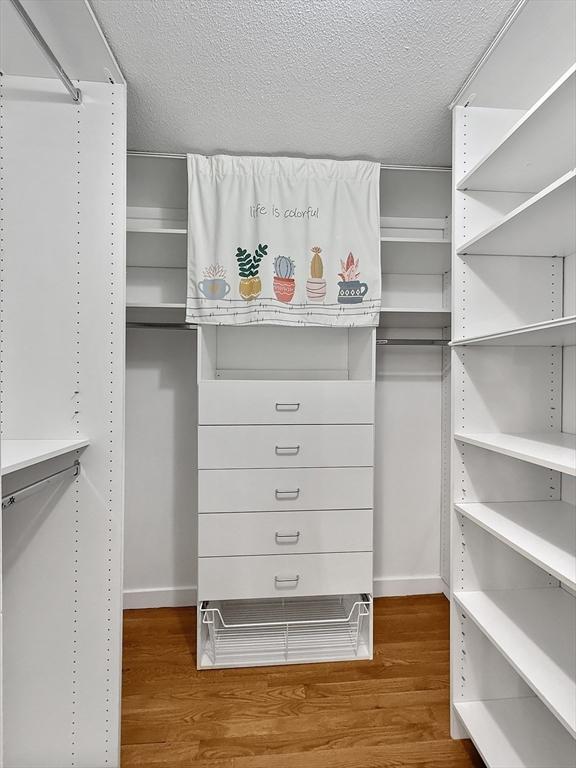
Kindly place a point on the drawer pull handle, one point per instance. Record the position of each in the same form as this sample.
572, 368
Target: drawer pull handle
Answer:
281, 538
287, 406
287, 450
287, 579
287, 495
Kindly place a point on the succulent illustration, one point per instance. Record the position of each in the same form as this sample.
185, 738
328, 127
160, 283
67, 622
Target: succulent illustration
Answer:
214, 272
248, 264
284, 267
349, 269
316, 266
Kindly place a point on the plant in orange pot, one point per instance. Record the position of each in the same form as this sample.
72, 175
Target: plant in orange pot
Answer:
284, 284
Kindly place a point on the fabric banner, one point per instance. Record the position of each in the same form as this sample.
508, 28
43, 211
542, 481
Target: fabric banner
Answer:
283, 241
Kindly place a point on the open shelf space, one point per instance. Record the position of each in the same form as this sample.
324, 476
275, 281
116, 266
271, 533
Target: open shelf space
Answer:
415, 257
554, 450
517, 733
542, 531
545, 135
290, 630
20, 454
535, 630
561, 332
544, 225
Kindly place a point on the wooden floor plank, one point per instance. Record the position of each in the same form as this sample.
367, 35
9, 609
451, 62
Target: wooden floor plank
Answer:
391, 712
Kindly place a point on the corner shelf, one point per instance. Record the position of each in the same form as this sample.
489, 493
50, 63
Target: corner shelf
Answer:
554, 450
561, 332
535, 630
20, 454
542, 531
516, 733
544, 225
545, 134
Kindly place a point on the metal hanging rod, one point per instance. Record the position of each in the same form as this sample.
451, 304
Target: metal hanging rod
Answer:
12, 498
76, 93
169, 326
412, 342
383, 166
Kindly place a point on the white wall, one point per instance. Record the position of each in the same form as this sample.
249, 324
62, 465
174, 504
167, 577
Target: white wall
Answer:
161, 423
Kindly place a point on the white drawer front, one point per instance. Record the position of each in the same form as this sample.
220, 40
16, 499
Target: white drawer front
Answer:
285, 402
270, 446
267, 490
285, 533
229, 578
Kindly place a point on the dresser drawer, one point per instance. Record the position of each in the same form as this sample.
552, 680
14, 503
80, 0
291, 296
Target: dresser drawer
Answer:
285, 533
230, 578
285, 402
294, 445
268, 490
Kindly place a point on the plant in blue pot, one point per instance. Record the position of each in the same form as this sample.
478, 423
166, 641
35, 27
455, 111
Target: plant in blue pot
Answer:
351, 290
214, 285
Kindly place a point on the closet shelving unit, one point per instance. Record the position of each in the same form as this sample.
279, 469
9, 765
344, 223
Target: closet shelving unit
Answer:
513, 635
62, 275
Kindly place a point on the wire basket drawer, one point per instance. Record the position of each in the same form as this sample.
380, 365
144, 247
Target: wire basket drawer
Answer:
237, 633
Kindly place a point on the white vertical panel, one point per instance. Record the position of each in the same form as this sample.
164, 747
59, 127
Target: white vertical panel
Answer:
62, 375
408, 463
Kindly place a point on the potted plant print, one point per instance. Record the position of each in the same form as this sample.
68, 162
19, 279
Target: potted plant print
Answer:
214, 285
352, 291
248, 266
316, 285
284, 283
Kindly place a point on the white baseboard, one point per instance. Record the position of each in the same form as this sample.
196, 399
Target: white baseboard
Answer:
171, 597
183, 596
420, 585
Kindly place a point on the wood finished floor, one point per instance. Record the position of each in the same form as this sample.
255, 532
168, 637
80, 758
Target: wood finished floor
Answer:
388, 713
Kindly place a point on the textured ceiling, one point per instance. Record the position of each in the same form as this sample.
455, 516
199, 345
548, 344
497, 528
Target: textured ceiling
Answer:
329, 78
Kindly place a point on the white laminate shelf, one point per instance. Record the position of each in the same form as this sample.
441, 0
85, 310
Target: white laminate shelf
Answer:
167, 228
554, 450
20, 454
535, 630
155, 305
161, 221
420, 240
414, 317
517, 733
538, 148
560, 332
544, 225
542, 531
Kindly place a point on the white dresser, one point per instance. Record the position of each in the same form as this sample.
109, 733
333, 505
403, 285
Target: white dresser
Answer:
285, 494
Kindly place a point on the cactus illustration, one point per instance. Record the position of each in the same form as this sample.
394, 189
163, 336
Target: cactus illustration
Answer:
316, 285
283, 282
248, 266
316, 266
284, 267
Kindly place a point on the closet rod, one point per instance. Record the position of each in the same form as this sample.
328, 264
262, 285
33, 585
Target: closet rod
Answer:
179, 156
379, 342
412, 342
76, 93
12, 498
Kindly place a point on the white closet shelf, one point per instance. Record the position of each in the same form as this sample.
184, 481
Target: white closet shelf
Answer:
422, 240
544, 134
561, 332
156, 220
544, 225
155, 305
517, 733
535, 630
414, 317
554, 450
20, 454
542, 531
